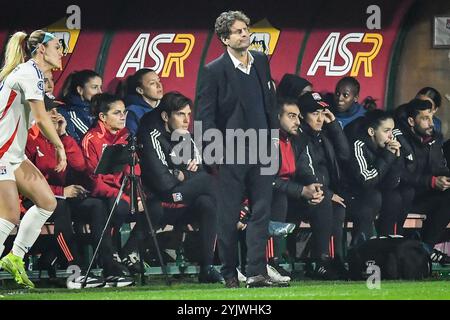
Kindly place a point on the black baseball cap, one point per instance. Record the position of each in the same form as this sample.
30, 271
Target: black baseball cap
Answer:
311, 102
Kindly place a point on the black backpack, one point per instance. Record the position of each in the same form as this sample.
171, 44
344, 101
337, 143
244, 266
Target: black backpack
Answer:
397, 258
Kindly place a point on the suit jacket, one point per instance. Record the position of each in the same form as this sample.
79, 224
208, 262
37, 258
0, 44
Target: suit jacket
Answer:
219, 94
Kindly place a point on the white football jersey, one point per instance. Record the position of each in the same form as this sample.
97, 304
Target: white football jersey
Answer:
25, 82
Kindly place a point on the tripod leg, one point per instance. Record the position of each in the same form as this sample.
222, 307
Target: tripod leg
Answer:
153, 234
139, 223
122, 187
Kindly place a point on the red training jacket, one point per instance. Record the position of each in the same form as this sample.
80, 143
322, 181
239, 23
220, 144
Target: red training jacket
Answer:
93, 143
42, 153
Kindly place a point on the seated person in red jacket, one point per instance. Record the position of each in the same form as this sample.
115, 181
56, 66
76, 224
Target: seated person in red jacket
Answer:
109, 129
73, 202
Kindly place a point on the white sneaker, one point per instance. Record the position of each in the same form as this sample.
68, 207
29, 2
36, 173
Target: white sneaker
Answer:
275, 275
91, 282
241, 277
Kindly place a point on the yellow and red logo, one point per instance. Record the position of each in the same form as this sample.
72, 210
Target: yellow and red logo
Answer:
326, 56
164, 63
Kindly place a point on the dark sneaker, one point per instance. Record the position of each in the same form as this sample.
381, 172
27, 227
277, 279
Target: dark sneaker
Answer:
209, 274
439, 257
114, 268
273, 262
91, 282
118, 281
322, 270
340, 269
264, 281
117, 275
232, 283
133, 262
47, 263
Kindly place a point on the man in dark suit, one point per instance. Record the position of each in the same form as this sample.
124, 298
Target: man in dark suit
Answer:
236, 92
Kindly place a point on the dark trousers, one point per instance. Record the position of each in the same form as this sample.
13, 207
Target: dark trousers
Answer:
234, 182
64, 233
198, 204
396, 204
362, 209
326, 220
89, 210
94, 211
436, 206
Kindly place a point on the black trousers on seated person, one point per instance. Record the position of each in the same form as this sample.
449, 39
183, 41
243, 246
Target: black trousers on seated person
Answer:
88, 210
94, 211
362, 209
326, 220
192, 200
64, 235
396, 204
436, 205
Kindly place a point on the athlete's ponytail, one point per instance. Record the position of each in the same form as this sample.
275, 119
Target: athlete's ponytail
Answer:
19, 49
14, 54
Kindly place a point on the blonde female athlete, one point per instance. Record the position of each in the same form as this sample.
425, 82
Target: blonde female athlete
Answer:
27, 57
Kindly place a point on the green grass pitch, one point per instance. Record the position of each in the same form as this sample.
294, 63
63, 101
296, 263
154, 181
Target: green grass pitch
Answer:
299, 290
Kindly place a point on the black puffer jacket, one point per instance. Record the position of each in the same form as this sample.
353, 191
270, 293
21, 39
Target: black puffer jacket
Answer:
427, 158
326, 151
429, 161
158, 157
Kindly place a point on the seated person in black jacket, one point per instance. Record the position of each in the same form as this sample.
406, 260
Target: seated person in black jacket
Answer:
428, 174
319, 166
176, 179
373, 177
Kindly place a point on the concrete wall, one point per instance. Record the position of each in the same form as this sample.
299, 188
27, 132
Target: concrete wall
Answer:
422, 65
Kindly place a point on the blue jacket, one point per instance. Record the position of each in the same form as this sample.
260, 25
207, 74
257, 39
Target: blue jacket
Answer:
136, 108
437, 124
78, 116
354, 112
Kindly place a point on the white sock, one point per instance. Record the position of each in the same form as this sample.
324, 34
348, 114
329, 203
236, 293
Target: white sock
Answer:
5, 229
29, 230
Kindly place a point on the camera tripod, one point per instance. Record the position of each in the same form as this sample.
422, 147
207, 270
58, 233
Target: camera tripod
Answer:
135, 192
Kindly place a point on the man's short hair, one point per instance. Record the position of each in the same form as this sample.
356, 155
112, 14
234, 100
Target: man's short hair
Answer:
224, 22
414, 107
173, 101
281, 102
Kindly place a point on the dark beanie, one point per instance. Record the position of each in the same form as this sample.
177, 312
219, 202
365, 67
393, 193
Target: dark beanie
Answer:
291, 86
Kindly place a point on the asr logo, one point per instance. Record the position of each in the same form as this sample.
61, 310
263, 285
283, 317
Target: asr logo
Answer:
326, 56
264, 37
135, 58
